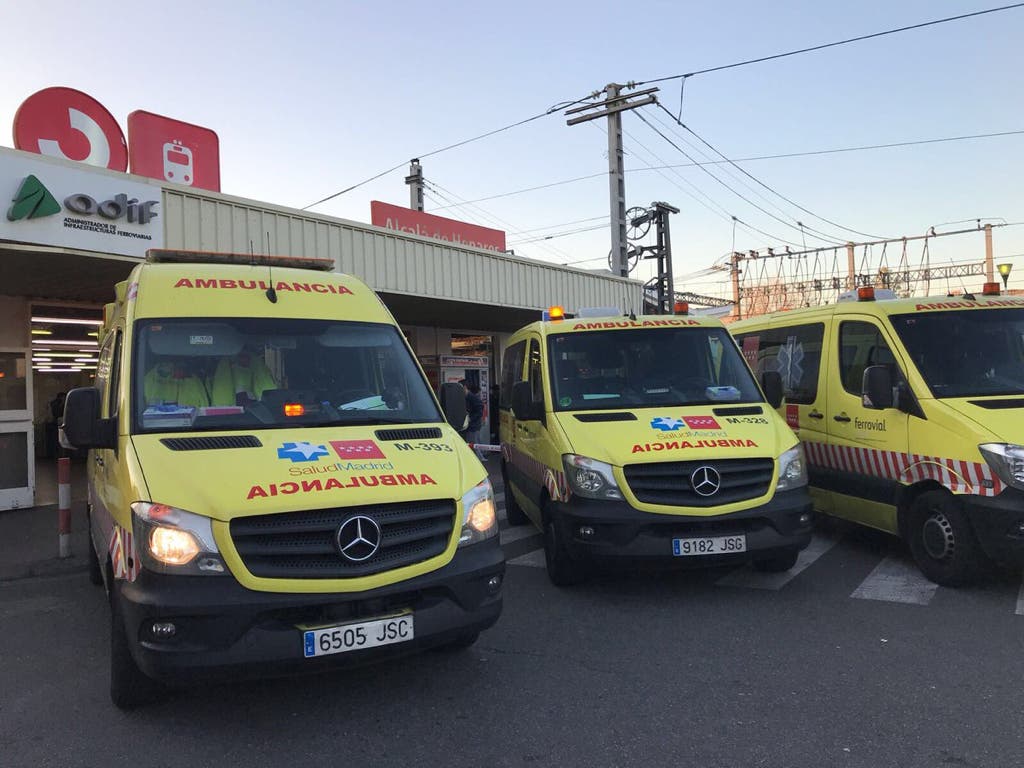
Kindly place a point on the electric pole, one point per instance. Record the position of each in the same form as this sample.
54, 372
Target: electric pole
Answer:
415, 182
612, 107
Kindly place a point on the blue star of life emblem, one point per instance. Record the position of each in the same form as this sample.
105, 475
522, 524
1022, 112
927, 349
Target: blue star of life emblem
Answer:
301, 452
667, 423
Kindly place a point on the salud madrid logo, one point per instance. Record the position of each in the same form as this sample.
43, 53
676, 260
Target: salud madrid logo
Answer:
35, 201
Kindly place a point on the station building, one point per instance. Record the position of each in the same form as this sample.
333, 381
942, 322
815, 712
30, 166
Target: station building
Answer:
70, 231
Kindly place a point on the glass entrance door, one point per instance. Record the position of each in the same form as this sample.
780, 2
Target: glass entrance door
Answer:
17, 452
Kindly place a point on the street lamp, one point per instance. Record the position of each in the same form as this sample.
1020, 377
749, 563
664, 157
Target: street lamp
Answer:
1004, 272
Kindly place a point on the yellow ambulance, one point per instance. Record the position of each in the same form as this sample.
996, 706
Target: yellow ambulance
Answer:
273, 486
910, 412
647, 440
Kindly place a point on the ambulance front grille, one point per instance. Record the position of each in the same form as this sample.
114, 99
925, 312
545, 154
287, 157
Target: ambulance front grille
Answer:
304, 545
669, 482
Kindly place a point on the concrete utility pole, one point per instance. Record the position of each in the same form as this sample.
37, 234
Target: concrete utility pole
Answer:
612, 107
415, 182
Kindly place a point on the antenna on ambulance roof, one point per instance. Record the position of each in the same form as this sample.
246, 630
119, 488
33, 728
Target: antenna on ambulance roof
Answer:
271, 293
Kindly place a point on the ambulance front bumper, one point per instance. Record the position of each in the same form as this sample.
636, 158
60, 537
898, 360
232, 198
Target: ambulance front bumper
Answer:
225, 631
615, 531
998, 522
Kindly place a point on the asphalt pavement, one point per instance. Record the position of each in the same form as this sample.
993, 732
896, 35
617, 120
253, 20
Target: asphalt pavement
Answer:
849, 662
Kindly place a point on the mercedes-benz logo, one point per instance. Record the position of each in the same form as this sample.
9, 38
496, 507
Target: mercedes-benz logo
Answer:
359, 538
705, 481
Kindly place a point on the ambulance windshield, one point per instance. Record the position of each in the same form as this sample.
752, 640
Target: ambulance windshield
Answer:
966, 353
196, 374
648, 367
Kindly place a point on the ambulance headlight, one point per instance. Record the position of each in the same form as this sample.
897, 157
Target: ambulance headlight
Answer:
171, 540
1006, 460
590, 478
792, 469
480, 518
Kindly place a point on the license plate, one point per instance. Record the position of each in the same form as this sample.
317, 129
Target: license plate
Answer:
711, 545
355, 637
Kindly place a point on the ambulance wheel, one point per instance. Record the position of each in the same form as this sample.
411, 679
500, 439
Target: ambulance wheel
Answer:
563, 570
129, 687
778, 564
942, 541
513, 512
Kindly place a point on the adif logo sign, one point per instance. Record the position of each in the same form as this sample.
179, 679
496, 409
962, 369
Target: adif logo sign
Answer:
34, 201
100, 212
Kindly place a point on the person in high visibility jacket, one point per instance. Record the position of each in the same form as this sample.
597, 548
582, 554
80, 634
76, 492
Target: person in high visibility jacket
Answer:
240, 379
168, 383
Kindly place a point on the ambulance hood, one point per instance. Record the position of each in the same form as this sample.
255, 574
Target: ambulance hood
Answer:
677, 433
1003, 417
215, 475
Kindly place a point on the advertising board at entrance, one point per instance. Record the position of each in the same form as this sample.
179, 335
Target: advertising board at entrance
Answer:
428, 225
47, 203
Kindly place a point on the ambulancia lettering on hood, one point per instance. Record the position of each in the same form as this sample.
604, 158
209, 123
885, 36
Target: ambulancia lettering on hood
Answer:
700, 431
309, 458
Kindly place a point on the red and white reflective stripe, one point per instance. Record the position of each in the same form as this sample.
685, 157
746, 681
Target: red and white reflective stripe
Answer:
958, 475
64, 507
122, 555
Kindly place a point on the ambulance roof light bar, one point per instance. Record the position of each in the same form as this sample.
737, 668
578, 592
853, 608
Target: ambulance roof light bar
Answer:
168, 256
990, 289
553, 313
868, 293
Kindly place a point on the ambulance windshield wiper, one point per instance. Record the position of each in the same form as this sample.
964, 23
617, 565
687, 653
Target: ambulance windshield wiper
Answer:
366, 420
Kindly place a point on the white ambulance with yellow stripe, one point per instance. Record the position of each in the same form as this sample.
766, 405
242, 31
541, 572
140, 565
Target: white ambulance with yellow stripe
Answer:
647, 440
272, 484
911, 413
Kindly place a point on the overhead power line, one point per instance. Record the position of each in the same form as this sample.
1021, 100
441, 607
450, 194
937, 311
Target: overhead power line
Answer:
550, 111
743, 197
758, 181
833, 44
754, 190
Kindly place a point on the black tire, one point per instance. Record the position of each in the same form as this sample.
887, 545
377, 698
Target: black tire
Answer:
513, 512
563, 570
129, 687
777, 564
942, 541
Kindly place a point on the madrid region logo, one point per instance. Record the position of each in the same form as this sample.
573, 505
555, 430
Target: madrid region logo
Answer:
33, 201
301, 452
667, 423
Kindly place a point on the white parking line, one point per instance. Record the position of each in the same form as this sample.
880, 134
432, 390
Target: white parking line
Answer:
533, 559
748, 577
1020, 599
508, 535
896, 581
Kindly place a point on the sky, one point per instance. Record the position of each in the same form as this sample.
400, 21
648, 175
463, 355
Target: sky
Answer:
309, 98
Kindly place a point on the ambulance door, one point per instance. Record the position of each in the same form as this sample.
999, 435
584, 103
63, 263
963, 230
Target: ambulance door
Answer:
795, 352
104, 495
512, 372
532, 439
861, 469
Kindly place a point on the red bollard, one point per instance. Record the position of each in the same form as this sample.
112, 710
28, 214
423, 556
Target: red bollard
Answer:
64, 506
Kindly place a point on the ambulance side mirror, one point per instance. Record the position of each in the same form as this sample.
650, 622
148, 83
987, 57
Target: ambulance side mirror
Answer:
771, 383
82, 427
453, 404
876, 389
522, 402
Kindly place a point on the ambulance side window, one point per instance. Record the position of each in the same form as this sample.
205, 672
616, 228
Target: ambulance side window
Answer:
861, 344
511, 372
794, 352
536, 373
115, 376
